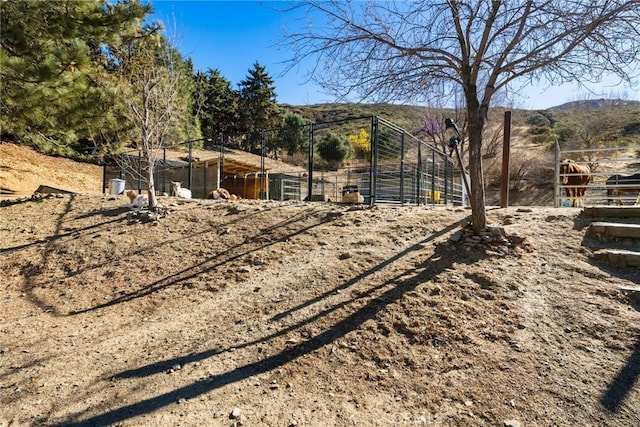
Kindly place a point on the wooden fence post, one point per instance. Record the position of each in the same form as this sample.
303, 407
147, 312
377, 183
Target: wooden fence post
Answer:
506, 149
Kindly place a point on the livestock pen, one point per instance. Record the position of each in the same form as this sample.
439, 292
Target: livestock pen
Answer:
384, 164
604, 163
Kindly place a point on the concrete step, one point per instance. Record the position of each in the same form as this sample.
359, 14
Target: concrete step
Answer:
613, 229
613, 211
619, 257
634, 294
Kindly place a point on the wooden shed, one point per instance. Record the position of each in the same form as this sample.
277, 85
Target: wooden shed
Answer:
245, 180
240, 178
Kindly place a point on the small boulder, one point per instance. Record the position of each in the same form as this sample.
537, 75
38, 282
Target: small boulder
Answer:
235, 413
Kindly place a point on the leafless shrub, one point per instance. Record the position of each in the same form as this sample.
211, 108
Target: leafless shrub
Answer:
525, 167
493, 139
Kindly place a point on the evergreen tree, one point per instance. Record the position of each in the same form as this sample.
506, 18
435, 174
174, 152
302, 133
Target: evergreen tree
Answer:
217, 104
258, 108
54, 87
334, 149
293, 135
189, 123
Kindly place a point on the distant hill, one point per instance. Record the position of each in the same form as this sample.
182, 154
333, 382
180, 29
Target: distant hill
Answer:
596, 104
411, 117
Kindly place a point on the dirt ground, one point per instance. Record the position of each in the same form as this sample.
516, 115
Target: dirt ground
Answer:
252, 313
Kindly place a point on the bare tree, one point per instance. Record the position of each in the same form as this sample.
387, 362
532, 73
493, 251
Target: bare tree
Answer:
152, 87
398, 51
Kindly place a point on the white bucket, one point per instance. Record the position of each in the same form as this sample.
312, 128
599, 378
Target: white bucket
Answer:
116, 186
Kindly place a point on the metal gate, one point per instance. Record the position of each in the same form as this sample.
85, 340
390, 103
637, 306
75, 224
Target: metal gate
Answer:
407, 170
393, 168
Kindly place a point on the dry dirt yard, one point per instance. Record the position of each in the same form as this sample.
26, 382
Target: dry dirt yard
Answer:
253, 313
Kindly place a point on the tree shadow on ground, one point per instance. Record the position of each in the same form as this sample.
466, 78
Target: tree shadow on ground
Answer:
31, 270
59, 234
258, 242
117, 211
622, 384
374, 301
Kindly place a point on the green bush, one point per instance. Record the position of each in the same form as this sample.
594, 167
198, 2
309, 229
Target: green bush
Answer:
539, 130
540, 138
538, 120
334, 150
632, 128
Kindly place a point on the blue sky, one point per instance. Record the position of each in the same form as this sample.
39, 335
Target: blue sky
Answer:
232, 35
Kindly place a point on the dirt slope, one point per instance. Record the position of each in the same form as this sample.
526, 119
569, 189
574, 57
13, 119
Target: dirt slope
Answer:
22, 171
282, 314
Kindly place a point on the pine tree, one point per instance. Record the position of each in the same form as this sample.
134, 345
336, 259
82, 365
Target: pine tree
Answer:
258, 107
293, 134
216, 104
55, 88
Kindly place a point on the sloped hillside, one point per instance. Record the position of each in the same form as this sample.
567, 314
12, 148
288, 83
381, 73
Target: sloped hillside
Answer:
22, 171
309, 314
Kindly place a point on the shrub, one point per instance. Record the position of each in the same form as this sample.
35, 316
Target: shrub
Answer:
334, 150
524, 167
538, 120
632, 128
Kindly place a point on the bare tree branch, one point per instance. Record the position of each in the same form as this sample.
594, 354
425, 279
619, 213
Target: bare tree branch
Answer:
406, 51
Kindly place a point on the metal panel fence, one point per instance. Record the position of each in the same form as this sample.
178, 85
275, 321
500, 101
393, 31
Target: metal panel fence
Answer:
357, 160
132, 169
605, 163
407, 170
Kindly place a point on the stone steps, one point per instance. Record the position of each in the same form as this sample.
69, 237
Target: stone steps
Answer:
614, 229
613, 211
628, 230
619, 257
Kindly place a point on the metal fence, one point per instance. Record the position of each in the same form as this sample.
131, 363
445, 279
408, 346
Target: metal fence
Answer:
408, 170
356, 160
604, 163
132, 169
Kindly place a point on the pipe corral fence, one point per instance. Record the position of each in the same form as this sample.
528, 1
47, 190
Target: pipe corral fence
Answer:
387, 165
604, 163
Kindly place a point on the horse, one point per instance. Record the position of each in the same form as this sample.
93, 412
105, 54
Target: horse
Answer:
575, 177
623, 184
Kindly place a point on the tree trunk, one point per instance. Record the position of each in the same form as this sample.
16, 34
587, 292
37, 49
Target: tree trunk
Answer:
475, 125
151, 163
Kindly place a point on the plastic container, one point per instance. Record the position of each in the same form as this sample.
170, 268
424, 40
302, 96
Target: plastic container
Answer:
116, 186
